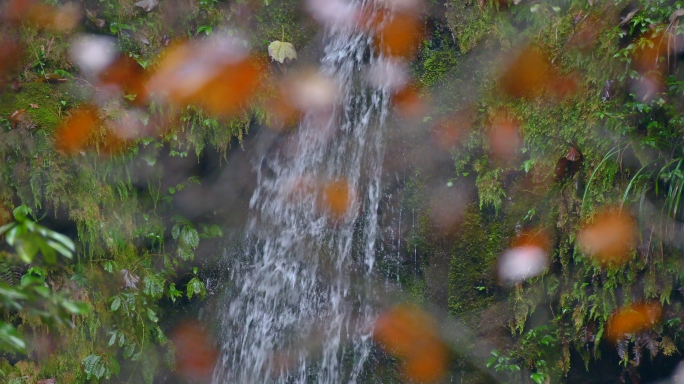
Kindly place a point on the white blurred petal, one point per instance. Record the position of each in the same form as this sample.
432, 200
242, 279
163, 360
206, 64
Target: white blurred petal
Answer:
521, 263
93, 53
391, 74
338, 12
313, 92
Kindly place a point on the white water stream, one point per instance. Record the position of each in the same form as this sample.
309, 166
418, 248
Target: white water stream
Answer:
301, 310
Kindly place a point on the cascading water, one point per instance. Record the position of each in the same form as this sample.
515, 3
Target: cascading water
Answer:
302, 307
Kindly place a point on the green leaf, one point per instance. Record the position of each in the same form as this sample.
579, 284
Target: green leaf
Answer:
152, 315
174, 293
538, 377
21, 212
281, 51
112, 339
128, 351
189, 237
76, 307
196, 287
10, 339
175, 231
154, 286
109, 266
116, 303
94, 366
6, 227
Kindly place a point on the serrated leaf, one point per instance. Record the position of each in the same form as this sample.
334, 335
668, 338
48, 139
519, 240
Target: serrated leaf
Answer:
112, 340
189, 237
128, 351
196, 287
151, 315
116, 303
281, 51
94, 367
154, 286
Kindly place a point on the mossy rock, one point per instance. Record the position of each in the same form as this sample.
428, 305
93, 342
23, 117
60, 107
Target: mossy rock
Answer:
52, 101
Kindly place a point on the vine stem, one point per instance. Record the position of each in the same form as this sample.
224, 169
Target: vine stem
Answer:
283, 38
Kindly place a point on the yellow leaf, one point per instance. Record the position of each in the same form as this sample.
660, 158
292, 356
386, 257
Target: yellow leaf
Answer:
279, 51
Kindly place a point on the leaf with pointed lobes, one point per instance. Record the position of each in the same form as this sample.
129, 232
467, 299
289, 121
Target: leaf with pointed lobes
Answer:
216, 74
281, 51
609, 237
72, 136
633, 319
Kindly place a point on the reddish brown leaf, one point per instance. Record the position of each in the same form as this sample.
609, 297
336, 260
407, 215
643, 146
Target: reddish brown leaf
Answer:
503, 136
410, 334
73, 135
408, 102
221, 82
528, 74
17, 116
195, 354
633, 319
396, 33
127, 74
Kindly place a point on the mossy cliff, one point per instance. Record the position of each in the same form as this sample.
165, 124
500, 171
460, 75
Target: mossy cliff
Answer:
128, 208
554, 325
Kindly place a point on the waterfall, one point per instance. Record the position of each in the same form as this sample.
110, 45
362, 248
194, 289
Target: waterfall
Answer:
301, 309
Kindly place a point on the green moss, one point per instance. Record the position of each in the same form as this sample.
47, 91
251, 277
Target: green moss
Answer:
480, 241
51, 99
470, 22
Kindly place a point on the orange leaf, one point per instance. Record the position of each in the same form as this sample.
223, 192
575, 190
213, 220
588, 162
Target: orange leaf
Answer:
396, 33
337, 198
230, 90
217, 75
17, 116
127, 74
503, 135
610, 237
428, 365
73, 135
528, 74
409, 333
633, 319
